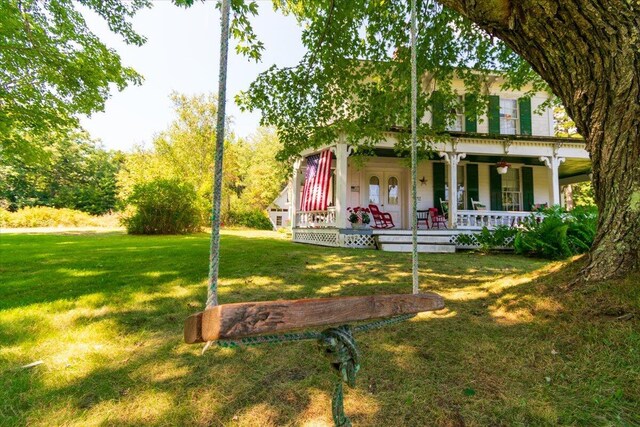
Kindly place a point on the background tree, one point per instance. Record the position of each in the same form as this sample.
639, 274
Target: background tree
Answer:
186, 151
355, 79
52, 67
71, 171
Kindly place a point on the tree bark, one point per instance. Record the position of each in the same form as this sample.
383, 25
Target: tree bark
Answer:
588, 51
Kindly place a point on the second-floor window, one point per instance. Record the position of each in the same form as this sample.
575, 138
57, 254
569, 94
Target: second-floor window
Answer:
508, 116
458, 113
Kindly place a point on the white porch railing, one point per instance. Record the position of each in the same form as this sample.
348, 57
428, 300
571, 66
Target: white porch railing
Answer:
475, 220
316, 219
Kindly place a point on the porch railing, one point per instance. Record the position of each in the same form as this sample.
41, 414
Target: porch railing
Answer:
316, 219
475, 220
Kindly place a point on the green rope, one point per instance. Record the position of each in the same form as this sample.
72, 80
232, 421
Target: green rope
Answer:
414, 153
214, 250
339, 346
307, 335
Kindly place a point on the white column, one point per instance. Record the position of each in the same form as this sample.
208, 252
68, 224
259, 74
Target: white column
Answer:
453, 159
553, 163
342, 154
294, 184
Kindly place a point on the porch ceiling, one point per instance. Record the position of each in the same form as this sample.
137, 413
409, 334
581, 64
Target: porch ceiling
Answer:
571, 167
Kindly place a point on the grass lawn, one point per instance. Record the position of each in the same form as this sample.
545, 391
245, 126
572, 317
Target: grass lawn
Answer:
104, 313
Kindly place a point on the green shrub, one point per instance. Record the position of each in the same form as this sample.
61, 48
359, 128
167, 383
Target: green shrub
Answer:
42, 216
499, 238
163, 206
250, 218
559, 235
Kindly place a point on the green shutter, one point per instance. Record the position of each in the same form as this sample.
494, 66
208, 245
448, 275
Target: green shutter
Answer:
437, 110
494, 114
495, 188
473, 192
438, 184
470, 122
527, 188
524, 105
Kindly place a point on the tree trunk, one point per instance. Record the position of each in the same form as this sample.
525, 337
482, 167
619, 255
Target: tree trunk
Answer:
588, 51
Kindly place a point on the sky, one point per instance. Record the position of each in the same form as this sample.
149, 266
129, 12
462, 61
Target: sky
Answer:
182, 54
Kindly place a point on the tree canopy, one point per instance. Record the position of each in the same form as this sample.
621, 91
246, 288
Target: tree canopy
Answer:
52, 67
355, 76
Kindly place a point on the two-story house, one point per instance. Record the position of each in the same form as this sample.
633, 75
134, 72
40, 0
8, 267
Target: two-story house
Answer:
487, 192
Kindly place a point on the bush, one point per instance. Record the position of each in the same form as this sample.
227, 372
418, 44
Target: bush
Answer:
559, 235
251, 218
42, 216
499, 238
163, 206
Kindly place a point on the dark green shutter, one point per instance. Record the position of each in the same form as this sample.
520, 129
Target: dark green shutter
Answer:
495, 188
437, 110
438, 184
470, 122
527, 188
524, 105
494, 114
473, 192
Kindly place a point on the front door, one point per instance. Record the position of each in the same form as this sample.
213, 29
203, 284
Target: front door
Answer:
385, 190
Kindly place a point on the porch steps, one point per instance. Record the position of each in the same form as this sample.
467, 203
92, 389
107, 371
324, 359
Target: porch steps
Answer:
429, 241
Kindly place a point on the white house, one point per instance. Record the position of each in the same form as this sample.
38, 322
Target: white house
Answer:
278, 210
512, 131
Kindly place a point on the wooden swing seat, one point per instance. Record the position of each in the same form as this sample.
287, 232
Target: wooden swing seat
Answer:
245, 319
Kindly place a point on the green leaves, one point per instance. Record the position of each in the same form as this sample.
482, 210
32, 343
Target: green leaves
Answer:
52, 67
355, 78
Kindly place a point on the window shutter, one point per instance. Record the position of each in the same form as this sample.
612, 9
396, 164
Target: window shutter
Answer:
524, 105
473, 192
527, 188
494, 114
470, 122
495, 188
438, 184
437, 110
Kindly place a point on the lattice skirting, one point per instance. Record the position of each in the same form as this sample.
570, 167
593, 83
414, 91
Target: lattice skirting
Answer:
317, 237
469, 241
358, 240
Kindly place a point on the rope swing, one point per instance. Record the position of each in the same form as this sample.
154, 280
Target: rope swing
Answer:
265, 322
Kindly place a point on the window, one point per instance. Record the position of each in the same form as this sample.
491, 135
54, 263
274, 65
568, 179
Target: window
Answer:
508, 116
511, 194
462, 188
458, 112
393, 191
278, 221
374, 190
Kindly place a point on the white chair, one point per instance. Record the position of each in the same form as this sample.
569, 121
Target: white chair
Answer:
477, 206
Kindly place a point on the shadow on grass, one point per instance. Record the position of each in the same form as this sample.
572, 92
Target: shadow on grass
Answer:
485, 360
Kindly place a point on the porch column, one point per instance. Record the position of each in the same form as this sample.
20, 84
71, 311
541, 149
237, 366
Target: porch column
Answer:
342, 154
294, 185
453, 159
553, 163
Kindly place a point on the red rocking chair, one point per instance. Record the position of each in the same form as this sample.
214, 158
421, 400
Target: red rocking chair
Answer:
381, 219
436, 218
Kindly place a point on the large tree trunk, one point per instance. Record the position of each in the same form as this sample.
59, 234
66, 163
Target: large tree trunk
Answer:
588, 51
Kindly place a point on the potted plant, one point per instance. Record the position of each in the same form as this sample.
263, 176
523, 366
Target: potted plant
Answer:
502, 167
359, 217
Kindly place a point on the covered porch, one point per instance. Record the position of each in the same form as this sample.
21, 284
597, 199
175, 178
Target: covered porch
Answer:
483, 196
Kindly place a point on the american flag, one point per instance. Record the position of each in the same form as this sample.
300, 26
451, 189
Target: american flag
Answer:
316, 182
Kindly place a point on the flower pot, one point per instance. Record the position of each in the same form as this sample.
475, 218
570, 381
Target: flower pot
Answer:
357, 226
502, 169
